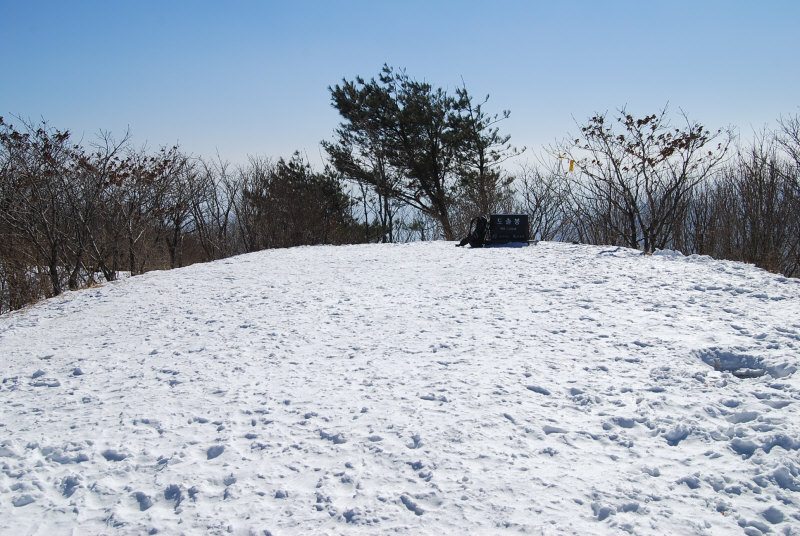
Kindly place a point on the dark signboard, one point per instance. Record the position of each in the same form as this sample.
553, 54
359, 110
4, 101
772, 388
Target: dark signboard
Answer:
506, 228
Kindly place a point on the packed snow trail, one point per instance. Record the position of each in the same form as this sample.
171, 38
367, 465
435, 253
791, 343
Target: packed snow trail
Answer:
411, 389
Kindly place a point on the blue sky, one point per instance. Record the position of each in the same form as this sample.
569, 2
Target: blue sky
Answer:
245, 78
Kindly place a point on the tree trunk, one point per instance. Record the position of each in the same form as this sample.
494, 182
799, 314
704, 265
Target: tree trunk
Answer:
53, 272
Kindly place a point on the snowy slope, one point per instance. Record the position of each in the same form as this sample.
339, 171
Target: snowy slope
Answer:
410, 389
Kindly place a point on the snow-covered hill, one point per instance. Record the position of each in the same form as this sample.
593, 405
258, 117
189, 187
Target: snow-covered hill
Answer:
411, 389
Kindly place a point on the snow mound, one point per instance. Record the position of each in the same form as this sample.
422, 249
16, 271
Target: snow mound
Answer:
408, 389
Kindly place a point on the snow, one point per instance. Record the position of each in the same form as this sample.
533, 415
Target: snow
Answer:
408, 389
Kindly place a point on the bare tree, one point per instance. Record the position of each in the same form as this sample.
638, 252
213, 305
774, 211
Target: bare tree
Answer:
637, 182
178, 177
250, 206
788, 139
87, 197
37, 167
212, 208
749, 210
544, 197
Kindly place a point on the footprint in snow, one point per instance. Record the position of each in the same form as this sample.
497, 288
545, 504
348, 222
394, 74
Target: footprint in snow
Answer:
433, 398
69, 484
113, 455
173, 493
411, 505
144, 501
22, 500
39, 380
676, 435
537, 389
214, 451
416, 442
337, 439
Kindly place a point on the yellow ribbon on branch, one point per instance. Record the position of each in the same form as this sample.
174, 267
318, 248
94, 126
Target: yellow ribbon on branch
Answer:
571, 162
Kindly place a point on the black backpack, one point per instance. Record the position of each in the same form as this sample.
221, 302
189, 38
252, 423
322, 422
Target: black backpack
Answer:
477, 233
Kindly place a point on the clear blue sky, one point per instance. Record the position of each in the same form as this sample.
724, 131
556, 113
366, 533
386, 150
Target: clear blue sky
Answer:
252, 77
